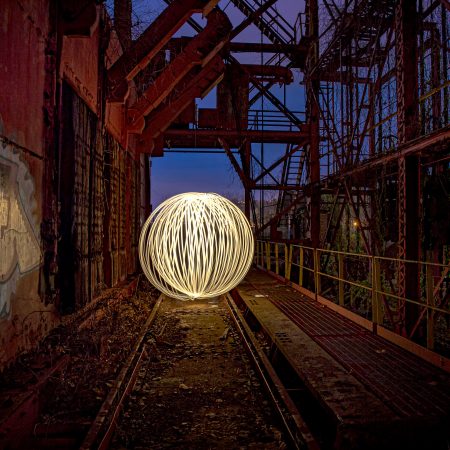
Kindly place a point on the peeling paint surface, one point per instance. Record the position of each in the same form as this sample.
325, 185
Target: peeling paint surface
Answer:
19, 236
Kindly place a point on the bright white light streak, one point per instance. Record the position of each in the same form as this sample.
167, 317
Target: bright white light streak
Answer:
196, 245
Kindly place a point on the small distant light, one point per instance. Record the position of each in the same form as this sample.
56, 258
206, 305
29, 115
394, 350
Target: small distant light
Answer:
196, 245
355, 223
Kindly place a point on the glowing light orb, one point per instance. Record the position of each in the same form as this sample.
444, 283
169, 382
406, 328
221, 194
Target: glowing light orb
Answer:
196, 245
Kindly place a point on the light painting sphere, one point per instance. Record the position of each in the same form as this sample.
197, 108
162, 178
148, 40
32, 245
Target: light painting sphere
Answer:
196, 245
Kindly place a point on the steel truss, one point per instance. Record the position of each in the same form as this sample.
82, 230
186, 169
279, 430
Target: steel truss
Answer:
366, 161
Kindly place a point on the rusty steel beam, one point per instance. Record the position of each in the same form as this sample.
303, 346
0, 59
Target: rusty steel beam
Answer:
182, 138
278, 187
275, 74
256, 47
313, 88
279, 161
436, 139
198, 52
408, 167
198, 85
234, 163
150, 42
300, 50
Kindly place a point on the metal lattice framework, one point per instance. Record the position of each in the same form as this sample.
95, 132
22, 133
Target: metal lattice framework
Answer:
365, 162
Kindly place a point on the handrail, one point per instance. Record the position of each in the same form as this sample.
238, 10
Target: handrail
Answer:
371, 295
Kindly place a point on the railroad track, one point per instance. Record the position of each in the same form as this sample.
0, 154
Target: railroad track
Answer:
295, 427
104, 425
106, 429
22, 425
206, 336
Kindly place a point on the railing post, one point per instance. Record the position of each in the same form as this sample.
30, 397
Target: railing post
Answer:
300, 267
377, 312
341, 278
288, 259
316, 272
430, 302
268, 255
277, 265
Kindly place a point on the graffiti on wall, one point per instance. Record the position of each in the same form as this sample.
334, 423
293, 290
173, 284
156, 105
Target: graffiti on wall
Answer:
19, 237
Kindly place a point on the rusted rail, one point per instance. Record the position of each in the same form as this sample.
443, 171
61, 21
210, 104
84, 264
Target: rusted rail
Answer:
102, 429
296, 428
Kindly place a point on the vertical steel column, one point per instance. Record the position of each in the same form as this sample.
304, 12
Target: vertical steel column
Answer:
147, 181
246, 167
50, 223
313, 111
408, 170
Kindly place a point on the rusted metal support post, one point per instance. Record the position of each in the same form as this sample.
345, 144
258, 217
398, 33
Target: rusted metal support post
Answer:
147, 199
408, 174
246, 167
313, 113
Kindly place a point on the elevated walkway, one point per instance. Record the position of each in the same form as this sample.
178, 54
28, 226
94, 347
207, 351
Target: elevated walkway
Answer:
377, 394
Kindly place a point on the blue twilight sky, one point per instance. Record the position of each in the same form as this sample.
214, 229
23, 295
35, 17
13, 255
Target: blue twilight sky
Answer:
182, 172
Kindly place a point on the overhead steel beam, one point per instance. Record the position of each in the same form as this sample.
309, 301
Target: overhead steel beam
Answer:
198, 52
197, 86
150, 42
276, 74
300, 51
182, 138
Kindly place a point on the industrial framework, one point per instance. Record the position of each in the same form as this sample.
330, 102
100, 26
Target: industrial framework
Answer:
366, 163
334, 115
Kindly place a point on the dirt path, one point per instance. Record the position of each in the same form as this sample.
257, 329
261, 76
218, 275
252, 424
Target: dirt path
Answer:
197, 390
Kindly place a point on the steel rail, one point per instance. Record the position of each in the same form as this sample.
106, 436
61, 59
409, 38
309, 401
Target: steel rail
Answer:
105, 423
296, 428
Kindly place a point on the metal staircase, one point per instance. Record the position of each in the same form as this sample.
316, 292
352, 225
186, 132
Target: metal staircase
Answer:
291, 176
